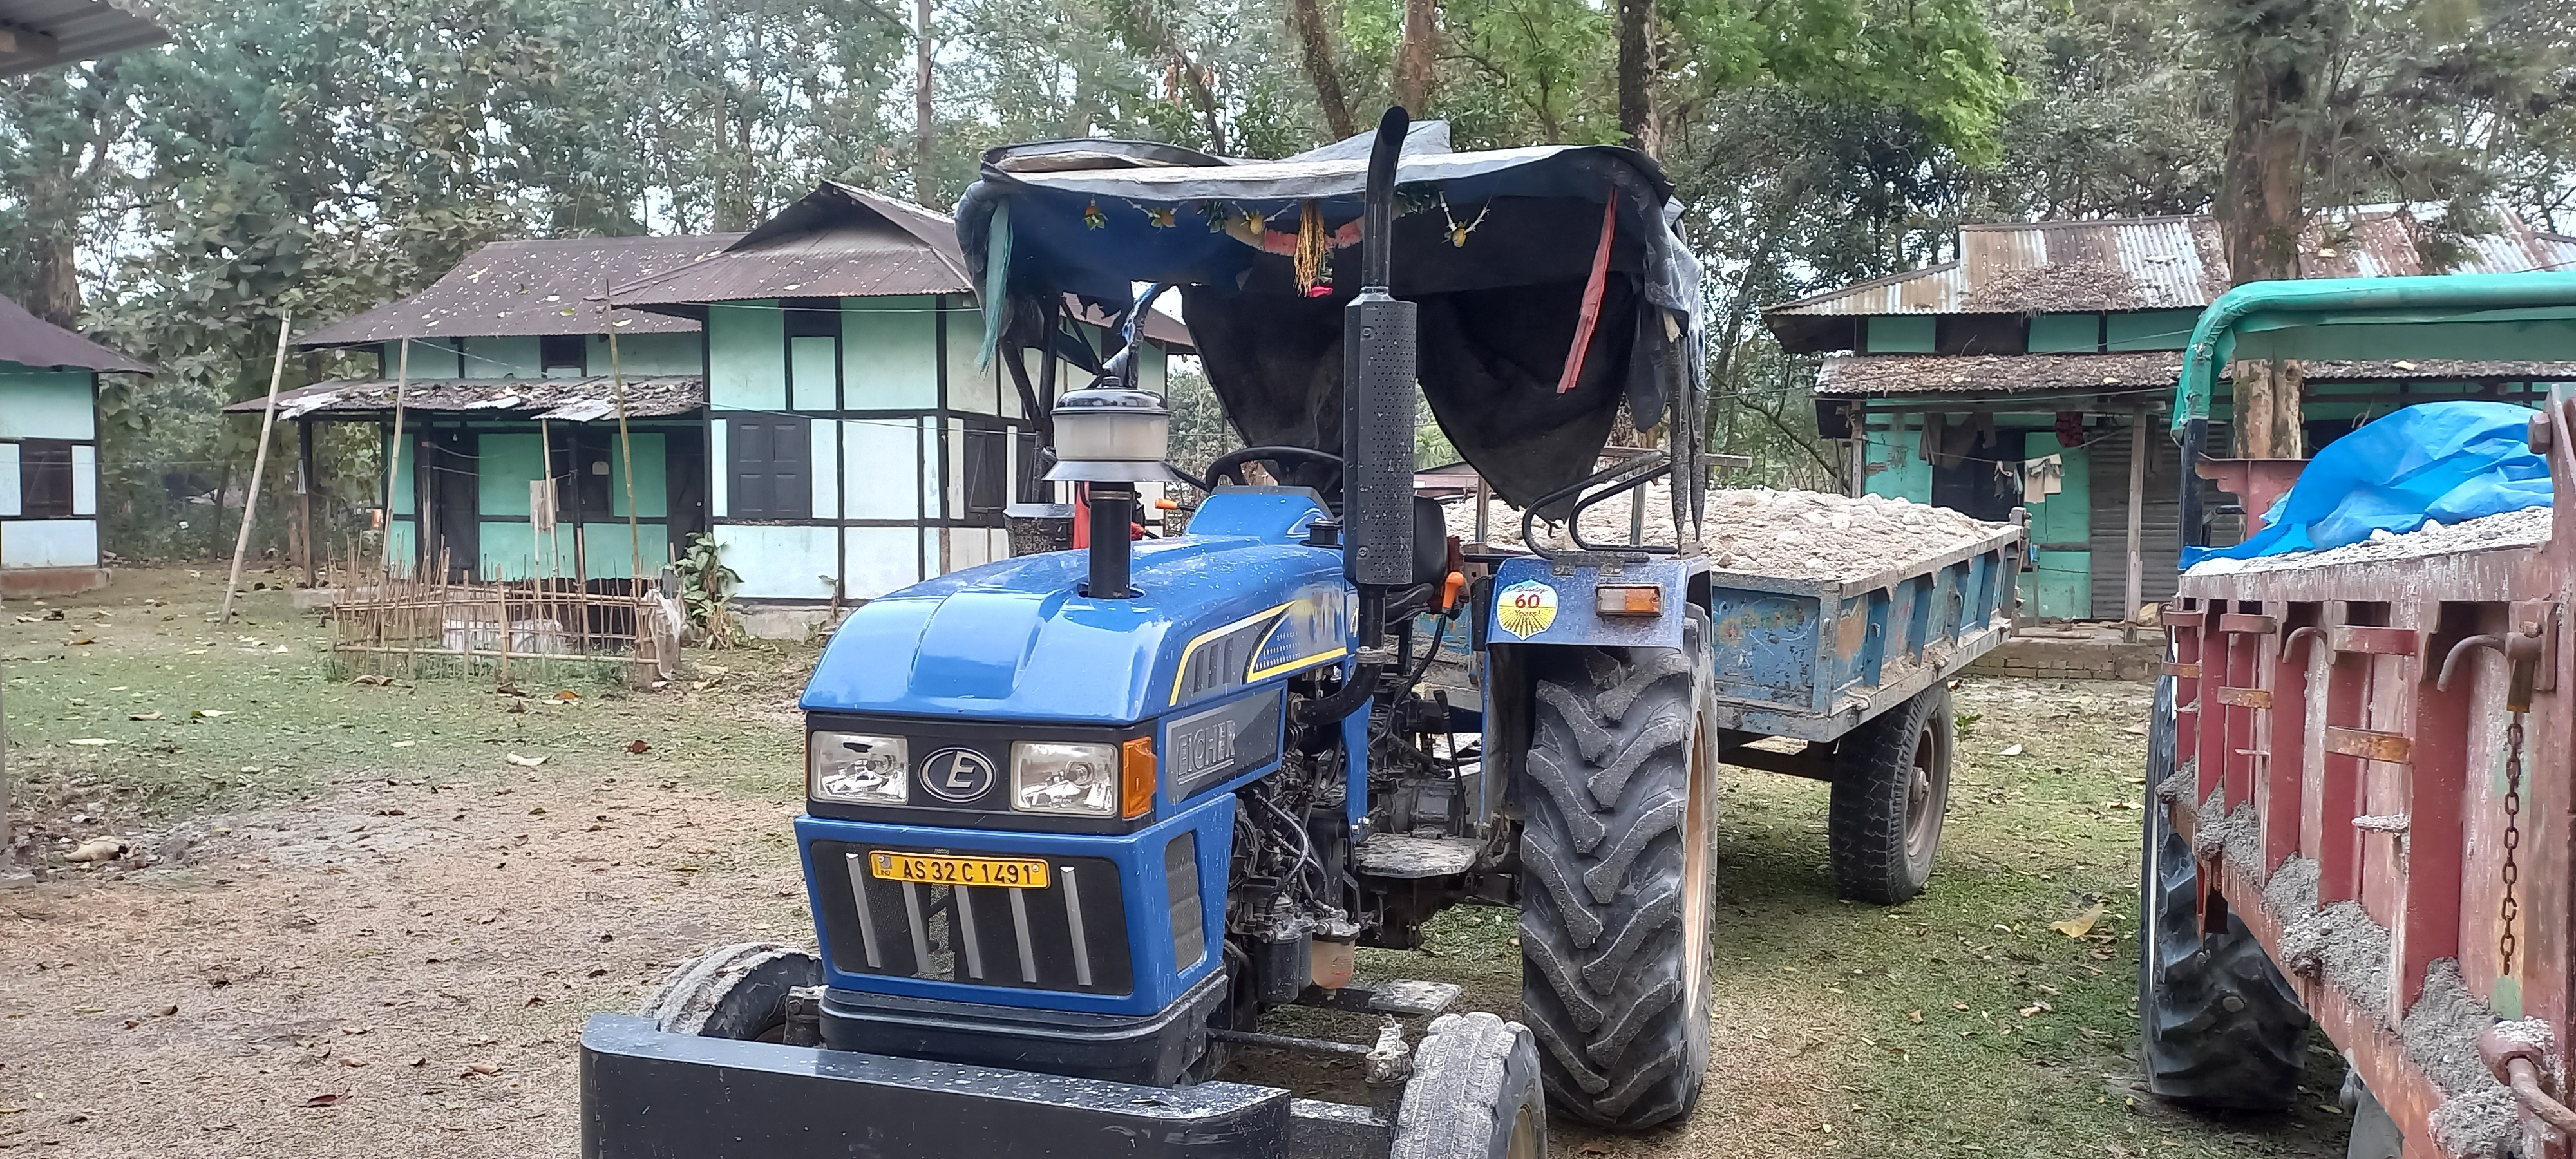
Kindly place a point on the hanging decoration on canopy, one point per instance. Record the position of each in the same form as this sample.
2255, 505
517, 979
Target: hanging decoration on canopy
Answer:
1458, 233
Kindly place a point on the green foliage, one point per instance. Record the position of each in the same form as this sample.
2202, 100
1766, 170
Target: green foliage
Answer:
706, 591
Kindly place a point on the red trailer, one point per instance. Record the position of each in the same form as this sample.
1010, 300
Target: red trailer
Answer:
2359, 803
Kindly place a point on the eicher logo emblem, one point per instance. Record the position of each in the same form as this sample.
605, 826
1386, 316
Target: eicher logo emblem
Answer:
1525, 609
959, 775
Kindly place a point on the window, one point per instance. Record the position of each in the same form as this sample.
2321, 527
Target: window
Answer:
988, 471
582, 475
1031, 486
45, 479
769, 468
563, 355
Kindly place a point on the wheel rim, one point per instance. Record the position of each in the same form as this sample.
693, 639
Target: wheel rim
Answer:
1525, 1142
1695, 884
1923, 796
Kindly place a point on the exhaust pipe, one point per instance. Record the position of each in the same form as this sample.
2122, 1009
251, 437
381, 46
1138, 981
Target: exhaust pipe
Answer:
1377, 401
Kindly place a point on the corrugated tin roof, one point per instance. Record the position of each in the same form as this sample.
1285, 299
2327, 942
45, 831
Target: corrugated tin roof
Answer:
31, 341
43, 33
531, 286
2148, 263
840, 241
2152, 372
569, 399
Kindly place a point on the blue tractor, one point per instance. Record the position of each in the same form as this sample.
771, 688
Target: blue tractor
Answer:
1077, 818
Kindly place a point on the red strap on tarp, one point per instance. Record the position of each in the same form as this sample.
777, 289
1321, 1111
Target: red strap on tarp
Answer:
1592, 290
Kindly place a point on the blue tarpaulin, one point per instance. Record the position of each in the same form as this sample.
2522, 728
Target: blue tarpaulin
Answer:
2444, 461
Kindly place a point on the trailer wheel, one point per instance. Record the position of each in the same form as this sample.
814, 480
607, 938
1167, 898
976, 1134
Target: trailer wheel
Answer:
1475, 1093
1617, 859
2219, 1025
1891, 787
736, 992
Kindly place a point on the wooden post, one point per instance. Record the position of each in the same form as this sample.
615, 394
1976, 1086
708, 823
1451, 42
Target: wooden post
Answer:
304, 497
258, 468
2133, 588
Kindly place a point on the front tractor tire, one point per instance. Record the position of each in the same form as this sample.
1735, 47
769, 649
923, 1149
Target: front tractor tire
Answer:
739, 992
1474, 1094
1891, 787
1616, 896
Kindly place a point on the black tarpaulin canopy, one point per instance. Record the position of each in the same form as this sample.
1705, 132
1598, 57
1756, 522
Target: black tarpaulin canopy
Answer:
1498, 249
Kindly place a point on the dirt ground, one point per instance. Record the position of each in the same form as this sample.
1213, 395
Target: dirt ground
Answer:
355, 920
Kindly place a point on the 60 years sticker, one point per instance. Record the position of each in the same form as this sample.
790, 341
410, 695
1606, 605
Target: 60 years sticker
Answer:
1525, 609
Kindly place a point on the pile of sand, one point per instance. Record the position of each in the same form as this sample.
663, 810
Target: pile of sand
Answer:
1806, 534
2528, 527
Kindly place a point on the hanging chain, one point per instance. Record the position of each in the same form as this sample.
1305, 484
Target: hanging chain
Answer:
2511, 909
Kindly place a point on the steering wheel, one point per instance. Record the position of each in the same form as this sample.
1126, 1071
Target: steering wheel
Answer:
1229, 466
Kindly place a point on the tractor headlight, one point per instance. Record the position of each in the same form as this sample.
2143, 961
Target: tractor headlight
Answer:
1058, 777
857, 769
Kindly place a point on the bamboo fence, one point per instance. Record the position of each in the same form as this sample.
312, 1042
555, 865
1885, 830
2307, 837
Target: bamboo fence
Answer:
536, 629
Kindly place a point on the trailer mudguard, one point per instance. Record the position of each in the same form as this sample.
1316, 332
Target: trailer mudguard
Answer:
1538, 601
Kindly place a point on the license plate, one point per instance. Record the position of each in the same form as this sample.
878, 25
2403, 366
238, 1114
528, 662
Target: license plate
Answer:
1001, 872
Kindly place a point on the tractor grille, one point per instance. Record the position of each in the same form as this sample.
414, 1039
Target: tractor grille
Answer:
1072, 935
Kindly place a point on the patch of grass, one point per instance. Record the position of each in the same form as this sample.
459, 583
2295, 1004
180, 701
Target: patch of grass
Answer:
254, 711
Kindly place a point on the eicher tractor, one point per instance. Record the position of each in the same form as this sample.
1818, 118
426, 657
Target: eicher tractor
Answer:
1076, 819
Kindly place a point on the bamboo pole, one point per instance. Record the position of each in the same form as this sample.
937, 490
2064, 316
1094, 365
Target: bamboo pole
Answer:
259, 467
2132, 591
626, 448
393, 465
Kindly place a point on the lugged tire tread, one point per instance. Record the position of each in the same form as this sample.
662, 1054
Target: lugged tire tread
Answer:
1865, 819
1601, 921
2194, 1049
1469, 1070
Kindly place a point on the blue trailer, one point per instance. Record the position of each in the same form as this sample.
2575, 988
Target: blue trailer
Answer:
1075, 820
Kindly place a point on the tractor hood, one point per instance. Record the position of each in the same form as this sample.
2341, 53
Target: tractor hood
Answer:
1236, 601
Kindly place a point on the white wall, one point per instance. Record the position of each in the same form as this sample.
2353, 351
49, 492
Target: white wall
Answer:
49, 543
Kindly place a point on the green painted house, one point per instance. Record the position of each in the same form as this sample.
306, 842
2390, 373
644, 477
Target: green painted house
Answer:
2036, 371
49, 454
854, 443
511, 395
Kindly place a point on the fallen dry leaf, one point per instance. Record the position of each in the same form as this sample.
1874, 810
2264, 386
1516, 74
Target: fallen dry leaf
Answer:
524, 762
639, 748
474, 1069
2081, 924
80, 641
324, 1100
567, 694
2037, 1008
1914, 1016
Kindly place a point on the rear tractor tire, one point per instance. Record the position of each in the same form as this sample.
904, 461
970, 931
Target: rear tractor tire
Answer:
1475, 1093
739, 992
1891, 787
2219, 1027
1616, 889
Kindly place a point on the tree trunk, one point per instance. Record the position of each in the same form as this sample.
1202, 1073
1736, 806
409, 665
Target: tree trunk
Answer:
924, 126
2260, 208
1307, 19
56, 294
1414, 61
1636, 78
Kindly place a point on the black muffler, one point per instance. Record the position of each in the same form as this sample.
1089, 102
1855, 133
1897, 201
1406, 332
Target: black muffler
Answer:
1377, 401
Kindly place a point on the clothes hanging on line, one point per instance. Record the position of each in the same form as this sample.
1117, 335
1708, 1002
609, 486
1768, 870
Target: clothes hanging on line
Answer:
2042, 477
